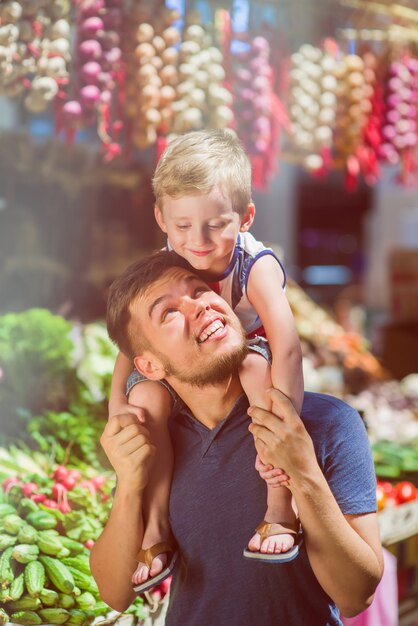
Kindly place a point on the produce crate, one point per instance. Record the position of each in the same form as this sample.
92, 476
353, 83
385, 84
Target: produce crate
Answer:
398, 522
403, 281
400, 348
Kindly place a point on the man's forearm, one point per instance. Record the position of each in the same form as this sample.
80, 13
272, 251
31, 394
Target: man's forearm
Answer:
112, 558
347, 566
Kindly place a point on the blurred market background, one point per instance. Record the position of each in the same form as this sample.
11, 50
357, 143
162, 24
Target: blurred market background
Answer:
324, 97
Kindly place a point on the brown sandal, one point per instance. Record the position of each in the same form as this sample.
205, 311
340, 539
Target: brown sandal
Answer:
147, 556
267, 529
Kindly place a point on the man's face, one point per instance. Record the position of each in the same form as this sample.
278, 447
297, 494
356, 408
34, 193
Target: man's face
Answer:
192, 331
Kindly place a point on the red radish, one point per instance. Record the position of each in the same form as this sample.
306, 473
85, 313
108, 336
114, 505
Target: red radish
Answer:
88, 484
69, 482
156, 595
165, 585
98, 481
58, 491
8, 483
51, 504
89, 544
74, 473
38, 497
29, 488
60, 473
65, 507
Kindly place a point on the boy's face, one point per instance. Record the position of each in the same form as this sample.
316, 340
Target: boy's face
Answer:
203, 229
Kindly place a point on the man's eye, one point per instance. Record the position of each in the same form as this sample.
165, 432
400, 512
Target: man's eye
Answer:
166, 313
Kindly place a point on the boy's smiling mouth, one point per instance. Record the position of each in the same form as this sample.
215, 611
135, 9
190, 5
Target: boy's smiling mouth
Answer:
200, 252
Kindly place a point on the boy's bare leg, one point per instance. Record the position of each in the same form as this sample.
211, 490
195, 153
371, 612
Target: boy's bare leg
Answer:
157, 492
255, 378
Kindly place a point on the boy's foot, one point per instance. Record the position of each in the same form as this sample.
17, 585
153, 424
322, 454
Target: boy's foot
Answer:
272, 552
273, 544
154, 565
143, 571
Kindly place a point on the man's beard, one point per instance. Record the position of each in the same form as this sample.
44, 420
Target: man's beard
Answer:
219, 369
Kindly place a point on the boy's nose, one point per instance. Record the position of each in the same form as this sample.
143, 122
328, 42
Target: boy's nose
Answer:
198, 236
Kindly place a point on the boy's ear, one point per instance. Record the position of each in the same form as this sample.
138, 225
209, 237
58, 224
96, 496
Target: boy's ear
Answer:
159, 219
149, 366
248, 218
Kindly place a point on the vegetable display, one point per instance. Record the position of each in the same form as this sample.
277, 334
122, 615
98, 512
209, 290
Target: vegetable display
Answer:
44, 574
34, 51
151, 73
335, 361
35, 364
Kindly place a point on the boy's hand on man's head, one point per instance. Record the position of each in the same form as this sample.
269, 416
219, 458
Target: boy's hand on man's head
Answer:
126, 444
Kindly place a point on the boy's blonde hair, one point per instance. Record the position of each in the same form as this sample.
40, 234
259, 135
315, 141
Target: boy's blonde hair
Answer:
196, 163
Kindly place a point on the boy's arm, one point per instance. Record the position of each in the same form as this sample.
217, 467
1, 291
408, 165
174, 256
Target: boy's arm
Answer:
266, 294
118, 403
344, 550
112, 559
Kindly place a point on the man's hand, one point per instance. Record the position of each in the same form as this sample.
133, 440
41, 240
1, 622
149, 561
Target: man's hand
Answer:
126, 443
281, 438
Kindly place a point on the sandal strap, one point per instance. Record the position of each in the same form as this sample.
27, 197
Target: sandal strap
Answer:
148, 555
267, 529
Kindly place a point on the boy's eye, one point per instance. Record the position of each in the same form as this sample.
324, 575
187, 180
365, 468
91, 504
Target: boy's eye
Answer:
216, 226
182, 226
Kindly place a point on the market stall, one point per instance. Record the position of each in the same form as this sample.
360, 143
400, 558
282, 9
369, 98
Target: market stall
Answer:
56, 485
112, 82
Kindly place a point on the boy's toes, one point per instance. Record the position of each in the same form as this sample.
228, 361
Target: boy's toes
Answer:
140, 575
158, 564
275, 544
288, 543
254, 543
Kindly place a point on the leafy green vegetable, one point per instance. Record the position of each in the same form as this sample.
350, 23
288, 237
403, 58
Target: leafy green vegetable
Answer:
79, 526
36, 365
137, 608
95, 356
71, 436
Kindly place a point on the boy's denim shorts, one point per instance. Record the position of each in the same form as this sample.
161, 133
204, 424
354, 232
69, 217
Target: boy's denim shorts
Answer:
258, 344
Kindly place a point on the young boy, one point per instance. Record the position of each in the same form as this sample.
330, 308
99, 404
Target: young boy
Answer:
202, 187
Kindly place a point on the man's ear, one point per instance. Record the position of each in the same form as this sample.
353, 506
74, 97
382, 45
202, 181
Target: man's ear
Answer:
160, 219
248, 218
149, 366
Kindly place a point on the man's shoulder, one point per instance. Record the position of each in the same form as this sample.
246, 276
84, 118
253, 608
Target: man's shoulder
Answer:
323, 409
313, 399
334, 425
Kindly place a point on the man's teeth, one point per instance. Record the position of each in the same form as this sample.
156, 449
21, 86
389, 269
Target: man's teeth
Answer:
210, 330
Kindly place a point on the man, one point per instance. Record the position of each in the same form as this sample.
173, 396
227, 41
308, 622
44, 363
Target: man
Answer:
161, 313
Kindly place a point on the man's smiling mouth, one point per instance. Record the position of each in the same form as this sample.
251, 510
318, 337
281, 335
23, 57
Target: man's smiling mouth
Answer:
214, 328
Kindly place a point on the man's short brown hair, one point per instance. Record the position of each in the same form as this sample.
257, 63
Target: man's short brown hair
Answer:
133, 283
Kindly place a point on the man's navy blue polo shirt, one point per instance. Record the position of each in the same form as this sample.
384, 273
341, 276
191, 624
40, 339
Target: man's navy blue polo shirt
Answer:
217, 500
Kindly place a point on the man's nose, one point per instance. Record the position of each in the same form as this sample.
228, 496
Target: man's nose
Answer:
193, 308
